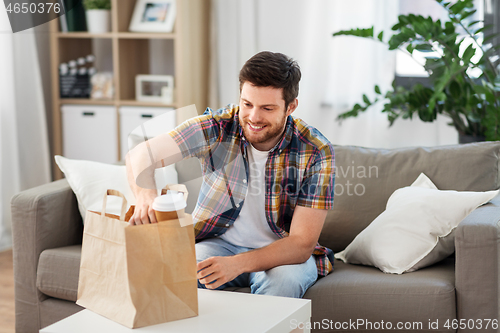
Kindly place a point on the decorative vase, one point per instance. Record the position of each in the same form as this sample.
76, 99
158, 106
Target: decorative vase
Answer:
462, 138
98, 20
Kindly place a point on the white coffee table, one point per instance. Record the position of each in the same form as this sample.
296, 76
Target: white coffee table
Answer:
219, 312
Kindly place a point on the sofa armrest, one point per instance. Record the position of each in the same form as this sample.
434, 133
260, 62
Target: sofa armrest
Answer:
43, 217
477, 272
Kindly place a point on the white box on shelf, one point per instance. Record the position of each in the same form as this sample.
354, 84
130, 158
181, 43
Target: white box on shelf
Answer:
156, 120
154, 88
90, 132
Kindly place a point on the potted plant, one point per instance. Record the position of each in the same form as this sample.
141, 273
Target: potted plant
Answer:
471, 102
98, 15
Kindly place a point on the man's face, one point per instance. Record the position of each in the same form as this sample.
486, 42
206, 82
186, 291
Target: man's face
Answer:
262, 115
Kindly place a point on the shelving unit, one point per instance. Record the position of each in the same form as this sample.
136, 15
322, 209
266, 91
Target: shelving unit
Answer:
186, 47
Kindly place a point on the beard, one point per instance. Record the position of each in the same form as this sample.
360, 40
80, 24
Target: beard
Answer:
269, 133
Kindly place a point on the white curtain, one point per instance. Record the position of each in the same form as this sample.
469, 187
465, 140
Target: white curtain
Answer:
336, 71
24, 151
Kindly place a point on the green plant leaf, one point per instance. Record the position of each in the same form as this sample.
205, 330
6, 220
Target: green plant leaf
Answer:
455, 89
380, 36
479, 89
352, 113
473, 23
366, 100
403, 19
458, 7
97, 4
423, 47
377, 89
467, 14
356, 107
468, 54
399, 39
365, 32
449, 28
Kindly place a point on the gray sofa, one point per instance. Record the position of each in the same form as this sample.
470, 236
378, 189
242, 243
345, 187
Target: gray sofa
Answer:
47, 232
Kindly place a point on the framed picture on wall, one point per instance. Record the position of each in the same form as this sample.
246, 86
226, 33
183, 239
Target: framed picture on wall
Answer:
153, 16
154, 88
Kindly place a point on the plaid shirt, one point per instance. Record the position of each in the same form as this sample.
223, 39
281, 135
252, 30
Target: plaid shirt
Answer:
299, 171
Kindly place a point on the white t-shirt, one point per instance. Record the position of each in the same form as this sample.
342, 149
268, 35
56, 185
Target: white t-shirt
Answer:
250, 229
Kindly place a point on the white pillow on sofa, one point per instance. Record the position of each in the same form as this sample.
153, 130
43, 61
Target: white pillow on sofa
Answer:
89, 181
416, 229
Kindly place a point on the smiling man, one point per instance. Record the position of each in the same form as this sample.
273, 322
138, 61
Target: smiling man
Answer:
268, 182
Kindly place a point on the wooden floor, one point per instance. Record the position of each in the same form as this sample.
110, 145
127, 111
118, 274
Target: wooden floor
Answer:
6, 293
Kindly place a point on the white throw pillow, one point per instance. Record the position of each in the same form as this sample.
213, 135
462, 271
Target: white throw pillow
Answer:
89, 181
416, 229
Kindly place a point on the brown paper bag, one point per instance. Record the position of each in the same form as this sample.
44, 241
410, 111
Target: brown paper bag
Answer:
137, 275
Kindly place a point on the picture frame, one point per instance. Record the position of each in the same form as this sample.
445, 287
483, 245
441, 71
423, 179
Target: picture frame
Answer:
154, 88
153, 16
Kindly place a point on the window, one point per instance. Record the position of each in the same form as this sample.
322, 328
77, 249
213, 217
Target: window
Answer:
409, 69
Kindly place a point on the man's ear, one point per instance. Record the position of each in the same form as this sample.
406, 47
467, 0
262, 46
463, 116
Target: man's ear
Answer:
292, 106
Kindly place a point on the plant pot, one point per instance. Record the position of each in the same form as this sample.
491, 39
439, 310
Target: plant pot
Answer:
98, 20
462, 138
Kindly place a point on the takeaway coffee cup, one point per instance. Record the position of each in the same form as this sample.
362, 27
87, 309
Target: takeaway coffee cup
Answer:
169, 206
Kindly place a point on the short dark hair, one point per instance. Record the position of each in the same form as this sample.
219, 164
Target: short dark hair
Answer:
269, 69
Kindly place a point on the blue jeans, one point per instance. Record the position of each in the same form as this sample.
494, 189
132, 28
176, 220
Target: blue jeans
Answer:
286, 280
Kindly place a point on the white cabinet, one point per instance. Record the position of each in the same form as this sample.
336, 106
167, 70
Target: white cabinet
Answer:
90, 133
138, 123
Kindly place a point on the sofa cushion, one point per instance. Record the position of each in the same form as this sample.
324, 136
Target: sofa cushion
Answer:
416, 230
355, 292
365, 178
89, 181
58, 270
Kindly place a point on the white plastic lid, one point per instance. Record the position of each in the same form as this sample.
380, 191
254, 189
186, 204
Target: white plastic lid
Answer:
169, 202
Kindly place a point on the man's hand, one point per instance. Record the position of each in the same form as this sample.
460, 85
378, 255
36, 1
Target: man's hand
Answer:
141, 162
144, 213
215, 271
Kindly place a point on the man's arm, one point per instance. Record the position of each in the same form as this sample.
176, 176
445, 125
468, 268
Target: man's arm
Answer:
305, 229
141, 163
